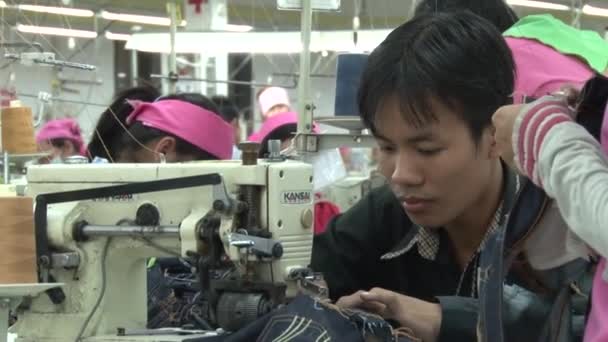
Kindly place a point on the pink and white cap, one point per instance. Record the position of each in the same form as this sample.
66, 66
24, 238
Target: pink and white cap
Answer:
62, 129
272, 96
198, 126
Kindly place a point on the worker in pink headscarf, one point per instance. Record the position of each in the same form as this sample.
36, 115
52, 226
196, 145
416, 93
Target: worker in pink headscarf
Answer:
62, 139
272, 101
174, 128
177, 130
280, 126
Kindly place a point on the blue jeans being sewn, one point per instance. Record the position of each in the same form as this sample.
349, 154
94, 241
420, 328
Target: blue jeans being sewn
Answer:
306, 319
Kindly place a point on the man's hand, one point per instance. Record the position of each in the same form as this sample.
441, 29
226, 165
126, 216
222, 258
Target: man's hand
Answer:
424, 318
351, 302
505, 117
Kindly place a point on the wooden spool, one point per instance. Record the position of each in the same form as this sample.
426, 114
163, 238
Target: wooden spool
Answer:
18, 130
18, 243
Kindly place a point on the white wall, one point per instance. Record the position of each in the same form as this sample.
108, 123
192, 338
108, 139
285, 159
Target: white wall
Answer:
33, 79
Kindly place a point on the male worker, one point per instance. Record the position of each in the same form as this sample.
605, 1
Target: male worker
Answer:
428, 94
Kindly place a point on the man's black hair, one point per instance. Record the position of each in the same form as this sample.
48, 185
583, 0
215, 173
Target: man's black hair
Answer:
227, 109
456, 58
495, 11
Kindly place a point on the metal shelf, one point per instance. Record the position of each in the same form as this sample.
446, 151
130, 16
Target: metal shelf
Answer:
17, 161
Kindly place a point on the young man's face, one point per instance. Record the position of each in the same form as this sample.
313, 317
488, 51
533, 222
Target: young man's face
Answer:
436, 170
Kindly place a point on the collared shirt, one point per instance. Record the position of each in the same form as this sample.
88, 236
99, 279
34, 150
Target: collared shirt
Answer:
427, 239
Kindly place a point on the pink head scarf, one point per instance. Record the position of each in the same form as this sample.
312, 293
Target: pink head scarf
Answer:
271, 97
200, 127
275, 122
542, 70
62, 129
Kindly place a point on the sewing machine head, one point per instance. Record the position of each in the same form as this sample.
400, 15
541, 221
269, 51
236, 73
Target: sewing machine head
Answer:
99, 224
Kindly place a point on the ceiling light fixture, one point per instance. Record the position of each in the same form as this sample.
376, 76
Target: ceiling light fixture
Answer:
597, 11
56, 31
254, 42
138, 19
117, 36
71, 43
73, 12
538, 4
235, 28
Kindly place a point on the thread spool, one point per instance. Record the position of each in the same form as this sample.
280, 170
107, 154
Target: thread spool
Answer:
18, 130
348, 77
18, 244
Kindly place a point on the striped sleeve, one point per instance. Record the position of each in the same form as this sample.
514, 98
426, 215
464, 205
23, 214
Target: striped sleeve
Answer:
531, 127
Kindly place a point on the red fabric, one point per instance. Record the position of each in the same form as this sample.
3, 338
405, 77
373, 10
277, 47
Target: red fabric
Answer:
324, 211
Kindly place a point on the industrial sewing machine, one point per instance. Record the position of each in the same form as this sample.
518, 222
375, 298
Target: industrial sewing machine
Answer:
98, 224
347, 192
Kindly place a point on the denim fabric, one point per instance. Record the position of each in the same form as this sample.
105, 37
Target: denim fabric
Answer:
306, 319
549, 317
170, 293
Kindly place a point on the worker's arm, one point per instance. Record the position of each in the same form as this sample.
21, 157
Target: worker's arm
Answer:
573, 170
563, 158
349, 250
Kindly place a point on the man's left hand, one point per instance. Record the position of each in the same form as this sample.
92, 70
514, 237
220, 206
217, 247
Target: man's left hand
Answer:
424, 318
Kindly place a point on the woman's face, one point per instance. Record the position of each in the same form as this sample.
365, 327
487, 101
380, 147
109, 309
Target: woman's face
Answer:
56, 154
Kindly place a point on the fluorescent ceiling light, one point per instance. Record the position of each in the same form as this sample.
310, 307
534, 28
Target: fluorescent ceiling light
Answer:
56, 31
71, 43
235, 28
2, 4
138, 19
591, 10
117, 36
74, 12
255, 42
539, 4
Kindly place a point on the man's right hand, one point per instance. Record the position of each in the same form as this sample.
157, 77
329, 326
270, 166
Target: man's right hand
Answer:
422, 317
356, 301
350, 302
